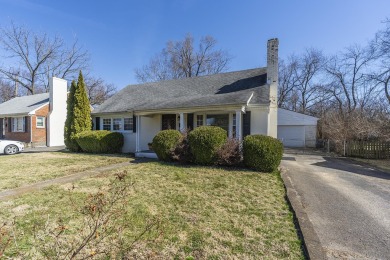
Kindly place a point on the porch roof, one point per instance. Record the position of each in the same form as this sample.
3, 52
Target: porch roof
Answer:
232, 88
23, 105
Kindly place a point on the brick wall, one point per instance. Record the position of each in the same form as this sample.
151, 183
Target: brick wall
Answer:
39, 134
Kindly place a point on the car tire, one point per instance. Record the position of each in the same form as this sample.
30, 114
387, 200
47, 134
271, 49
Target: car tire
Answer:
11, 149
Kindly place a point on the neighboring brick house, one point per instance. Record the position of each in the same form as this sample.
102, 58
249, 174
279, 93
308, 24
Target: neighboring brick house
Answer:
37, 120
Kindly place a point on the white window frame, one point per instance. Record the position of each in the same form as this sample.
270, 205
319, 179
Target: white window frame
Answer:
131, 124
103, 124
198, 120
43, 122
15, 125
115, 122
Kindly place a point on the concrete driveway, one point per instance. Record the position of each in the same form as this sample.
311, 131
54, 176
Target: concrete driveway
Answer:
343, 207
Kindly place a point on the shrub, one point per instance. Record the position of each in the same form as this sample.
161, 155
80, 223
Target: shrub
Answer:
100, 141
262, 153
164, 142
204, 143
230, 153
182, 152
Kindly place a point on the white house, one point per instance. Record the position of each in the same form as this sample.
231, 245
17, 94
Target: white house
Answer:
241, 102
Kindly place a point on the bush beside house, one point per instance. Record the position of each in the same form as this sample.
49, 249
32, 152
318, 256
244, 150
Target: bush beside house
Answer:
204, 143
209, 145
100, 141
262, 153
164, 142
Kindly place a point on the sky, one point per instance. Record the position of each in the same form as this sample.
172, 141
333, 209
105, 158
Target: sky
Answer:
123, 35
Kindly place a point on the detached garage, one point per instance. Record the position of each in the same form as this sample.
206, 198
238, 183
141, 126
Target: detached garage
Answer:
296, 129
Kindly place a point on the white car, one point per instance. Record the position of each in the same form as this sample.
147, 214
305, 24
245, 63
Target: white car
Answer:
11, 147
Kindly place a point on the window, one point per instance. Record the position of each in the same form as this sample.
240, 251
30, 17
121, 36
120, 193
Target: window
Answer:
117, 124
128, 123
107, 124
18, 124
40, 122
219, 120
199, 120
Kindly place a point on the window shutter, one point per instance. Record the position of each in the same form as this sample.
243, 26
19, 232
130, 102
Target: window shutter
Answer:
97, 123
9, 124
246, 124
26, 124
134, 124
190, 121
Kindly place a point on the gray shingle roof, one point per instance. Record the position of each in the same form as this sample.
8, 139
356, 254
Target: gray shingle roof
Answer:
232, 88
23, 105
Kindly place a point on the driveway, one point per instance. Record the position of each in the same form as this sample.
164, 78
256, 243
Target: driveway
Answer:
343, 207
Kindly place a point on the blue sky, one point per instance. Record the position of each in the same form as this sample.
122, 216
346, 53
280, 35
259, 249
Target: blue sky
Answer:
122, 35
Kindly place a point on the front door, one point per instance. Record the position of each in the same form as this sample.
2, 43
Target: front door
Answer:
168, 121
1, 128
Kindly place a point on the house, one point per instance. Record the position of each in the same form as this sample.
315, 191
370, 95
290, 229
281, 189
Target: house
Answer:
241, 102
37, 120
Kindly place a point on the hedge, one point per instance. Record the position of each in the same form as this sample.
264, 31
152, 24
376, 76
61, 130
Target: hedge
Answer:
100, 141
164, 142
204, 143
262, 153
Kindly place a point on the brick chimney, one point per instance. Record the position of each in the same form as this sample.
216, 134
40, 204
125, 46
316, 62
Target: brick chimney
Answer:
272, 81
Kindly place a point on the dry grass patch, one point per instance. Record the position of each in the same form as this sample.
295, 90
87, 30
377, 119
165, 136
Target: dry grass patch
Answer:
383, 164
27, 168
206, 213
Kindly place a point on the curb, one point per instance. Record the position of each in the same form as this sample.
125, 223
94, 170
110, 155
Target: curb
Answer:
310, 239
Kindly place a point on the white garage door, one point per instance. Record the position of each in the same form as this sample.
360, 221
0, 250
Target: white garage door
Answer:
292, 136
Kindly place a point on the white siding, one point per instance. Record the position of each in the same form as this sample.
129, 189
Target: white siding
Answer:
259, 121
150, 126
286, 117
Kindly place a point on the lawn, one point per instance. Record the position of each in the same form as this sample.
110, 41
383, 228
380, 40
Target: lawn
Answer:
204, 213
27, 168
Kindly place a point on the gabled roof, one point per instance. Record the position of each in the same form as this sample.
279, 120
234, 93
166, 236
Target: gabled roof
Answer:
232, 88
288, 117
23, 105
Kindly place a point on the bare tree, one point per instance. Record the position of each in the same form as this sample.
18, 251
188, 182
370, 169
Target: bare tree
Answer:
381, 45
32, 58
7, 91
299, 83
180, 59
98, 90
348, 74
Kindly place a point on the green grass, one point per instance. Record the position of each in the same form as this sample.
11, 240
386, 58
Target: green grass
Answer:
206, 213
27, 168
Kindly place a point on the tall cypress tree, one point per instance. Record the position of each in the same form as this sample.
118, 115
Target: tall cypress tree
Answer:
81, 113
69, 116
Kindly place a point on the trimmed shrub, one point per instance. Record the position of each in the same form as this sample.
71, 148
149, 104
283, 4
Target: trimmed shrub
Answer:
182, 152
262, 153
100, 141
204, 143
230, 153
164, 142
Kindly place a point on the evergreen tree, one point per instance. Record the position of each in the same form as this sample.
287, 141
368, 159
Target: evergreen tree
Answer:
80, 118
69, 116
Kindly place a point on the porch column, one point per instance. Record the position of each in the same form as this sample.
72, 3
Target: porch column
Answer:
182, 124
239, 124
137, 134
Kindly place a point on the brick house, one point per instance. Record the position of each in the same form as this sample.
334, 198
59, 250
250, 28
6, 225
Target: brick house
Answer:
37, 120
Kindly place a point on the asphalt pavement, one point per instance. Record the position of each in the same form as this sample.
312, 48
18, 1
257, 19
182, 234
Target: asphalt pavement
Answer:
343, 207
